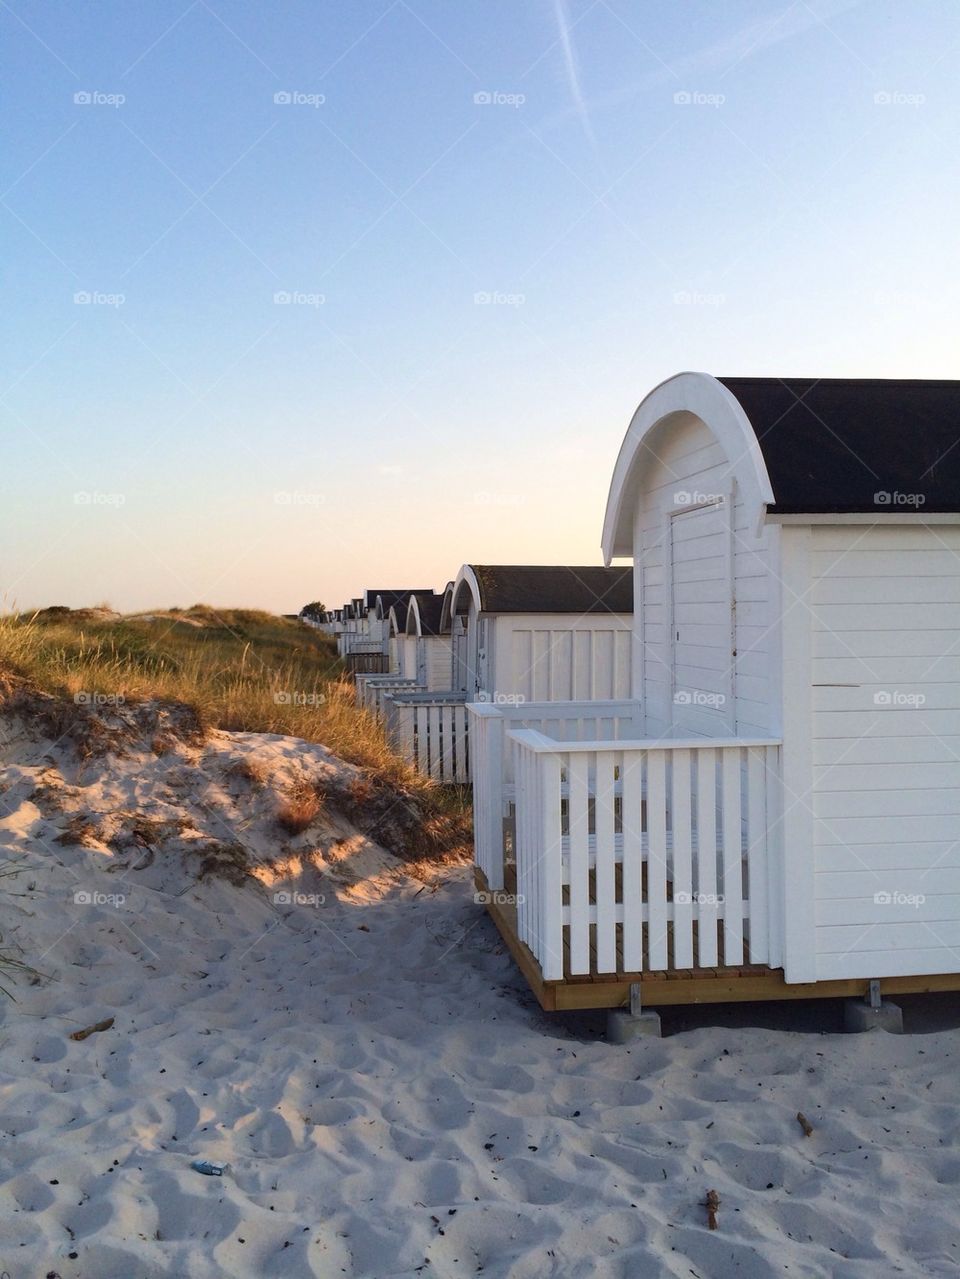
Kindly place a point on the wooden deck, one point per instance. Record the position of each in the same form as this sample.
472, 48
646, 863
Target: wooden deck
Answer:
686, 986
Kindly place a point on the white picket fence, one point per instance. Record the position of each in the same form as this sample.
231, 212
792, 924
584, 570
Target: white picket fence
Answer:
371, 690
358, 642
494, 764
646, 855
431, 730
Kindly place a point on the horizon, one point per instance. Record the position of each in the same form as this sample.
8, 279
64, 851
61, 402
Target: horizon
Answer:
299, 301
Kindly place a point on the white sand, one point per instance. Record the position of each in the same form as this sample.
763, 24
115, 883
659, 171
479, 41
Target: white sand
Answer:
389, 1098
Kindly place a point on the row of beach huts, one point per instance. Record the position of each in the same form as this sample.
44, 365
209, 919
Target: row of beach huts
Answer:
501, 636
731, 768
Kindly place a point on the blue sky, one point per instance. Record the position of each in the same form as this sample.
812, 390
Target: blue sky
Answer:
401, 319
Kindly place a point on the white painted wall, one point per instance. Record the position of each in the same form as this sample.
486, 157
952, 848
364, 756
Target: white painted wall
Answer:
560, 657
678, 578
885, 618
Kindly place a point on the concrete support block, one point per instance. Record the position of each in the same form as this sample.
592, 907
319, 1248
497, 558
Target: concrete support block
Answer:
859, 1015
623, 1026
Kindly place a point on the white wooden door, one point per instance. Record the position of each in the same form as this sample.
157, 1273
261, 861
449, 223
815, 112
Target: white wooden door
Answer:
461, 662
702, 621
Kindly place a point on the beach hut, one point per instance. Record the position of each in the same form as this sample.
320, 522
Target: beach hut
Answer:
403, 648
432, 649
775, 812
524, 633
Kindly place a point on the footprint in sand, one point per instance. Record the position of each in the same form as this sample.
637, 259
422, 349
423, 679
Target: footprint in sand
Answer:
331, 1111
269, 1134
413, 1147
185, 1114
530, 1181
30, 1193
201, 1214
757, 1169
49, 1048
92, 1216
944, 1169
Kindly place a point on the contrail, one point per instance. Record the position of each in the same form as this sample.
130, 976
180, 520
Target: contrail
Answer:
573, 74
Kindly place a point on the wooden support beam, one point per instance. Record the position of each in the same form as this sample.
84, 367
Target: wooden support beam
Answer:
692, 986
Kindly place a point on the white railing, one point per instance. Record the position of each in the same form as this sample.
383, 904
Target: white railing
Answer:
431, 731
357, 642
494, 761
645, 855
371, 690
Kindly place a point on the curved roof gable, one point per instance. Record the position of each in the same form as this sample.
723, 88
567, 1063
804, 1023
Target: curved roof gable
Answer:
383, 601
806, 446
424, 613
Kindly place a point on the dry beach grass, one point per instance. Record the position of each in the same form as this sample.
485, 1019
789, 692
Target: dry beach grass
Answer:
241, 670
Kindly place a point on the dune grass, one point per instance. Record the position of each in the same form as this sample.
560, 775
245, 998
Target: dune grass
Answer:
239, 669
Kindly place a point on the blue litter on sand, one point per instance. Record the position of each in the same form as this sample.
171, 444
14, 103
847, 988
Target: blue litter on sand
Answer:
207, 1168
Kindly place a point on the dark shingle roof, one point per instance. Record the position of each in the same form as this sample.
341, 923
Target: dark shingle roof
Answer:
832, 444
390, 598
430, 606
511, 588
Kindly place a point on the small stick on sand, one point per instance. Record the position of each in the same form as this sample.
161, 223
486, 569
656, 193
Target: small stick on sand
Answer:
805, 1124
712, 1205
92, 1030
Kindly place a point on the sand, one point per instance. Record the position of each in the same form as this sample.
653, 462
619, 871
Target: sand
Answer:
389, 1099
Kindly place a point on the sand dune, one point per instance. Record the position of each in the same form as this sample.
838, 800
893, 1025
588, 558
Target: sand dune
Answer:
388, 1098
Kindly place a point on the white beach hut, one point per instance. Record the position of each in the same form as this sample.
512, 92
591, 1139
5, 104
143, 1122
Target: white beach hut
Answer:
778, 814
525, 633
433, 652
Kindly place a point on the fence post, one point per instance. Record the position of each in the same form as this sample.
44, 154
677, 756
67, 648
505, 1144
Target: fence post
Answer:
550, 868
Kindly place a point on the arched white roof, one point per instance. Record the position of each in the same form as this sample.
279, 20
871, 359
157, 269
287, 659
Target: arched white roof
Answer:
397, 626
708, 399
413, 617
466, 580
445, 609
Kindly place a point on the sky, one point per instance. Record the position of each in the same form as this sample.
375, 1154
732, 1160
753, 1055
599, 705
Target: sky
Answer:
308, 297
